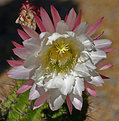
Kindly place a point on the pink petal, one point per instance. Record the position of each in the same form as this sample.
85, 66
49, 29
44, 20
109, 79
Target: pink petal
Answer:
19, 72
23, 35
103, 66
40, 101
27, 85
69, 103
46, 21
78, 20
14, 63
39, 23
104, 77
90, 89
30, 32
66, 17
108, 50
98, 36
94, 27
55, 15
71, 19
17, 45
20, 52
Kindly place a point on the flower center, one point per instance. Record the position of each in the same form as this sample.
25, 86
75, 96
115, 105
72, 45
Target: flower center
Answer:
61, 55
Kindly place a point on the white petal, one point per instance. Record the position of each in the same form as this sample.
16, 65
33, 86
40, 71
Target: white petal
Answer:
96, 80
83, 57
84, 40
88, 45
55, 100
55, 82
44, 38
76, 101
33, 93
39, 76
70, 33
67, 85
62, 27
20, 72
31, 62
97, 55
82, 28
102, 43
90, 65
79, 86
64, 84
82, 70
32, 44
55, 36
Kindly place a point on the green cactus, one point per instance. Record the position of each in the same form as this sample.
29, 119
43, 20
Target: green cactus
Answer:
19, 108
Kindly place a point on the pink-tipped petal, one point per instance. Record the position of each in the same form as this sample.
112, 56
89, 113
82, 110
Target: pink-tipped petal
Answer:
94, 27
23, 35
66, 17
98, 36
55, 100
78, 20
14, 63
30, 32
39, 23
40, 101
76, 101
71, 19
108, 50
32, 44
97, 56
26, 86
81, 29
103, 66
21, 52
96, 80
19, 72
62, 27
104, 77
69, 104
46, 21
90, 89
33, 93
17, 45
102, 43
55, 15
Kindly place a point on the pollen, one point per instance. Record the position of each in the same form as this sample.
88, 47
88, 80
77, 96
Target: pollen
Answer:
62, 47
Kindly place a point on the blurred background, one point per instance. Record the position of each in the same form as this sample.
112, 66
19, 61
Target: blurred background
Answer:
106, 106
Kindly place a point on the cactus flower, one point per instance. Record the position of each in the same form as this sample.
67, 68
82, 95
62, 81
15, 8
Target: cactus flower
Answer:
62, 61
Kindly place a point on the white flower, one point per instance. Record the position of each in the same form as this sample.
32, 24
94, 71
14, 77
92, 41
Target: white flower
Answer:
61, 62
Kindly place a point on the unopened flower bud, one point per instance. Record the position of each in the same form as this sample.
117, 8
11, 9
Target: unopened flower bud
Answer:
26, 16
